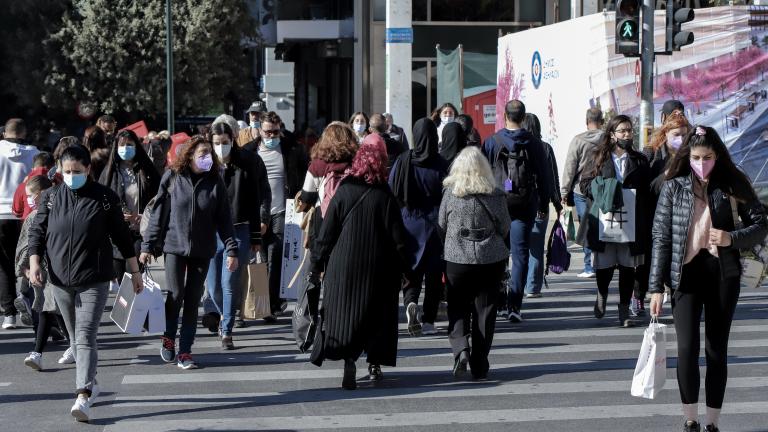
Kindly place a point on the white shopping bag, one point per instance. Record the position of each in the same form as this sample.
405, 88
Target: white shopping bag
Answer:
651, 370
130, 309
619, 226
156, 321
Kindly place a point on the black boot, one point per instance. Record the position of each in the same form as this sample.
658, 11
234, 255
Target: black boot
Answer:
350, 371
600, 303
624, 317
691, 426
460, 364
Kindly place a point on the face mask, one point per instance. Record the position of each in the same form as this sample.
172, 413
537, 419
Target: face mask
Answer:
31, 202
272, 143
702, 168
624, 144
75, 181
676, 142
255, 124
126, 152
204, 163
447, 119
222, 150
359, 128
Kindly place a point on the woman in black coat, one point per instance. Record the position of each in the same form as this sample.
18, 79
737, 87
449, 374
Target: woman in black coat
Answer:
190, 210
707, 212
132, 176
362, 248
616, 148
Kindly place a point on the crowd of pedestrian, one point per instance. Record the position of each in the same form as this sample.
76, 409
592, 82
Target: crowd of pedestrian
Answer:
464, 220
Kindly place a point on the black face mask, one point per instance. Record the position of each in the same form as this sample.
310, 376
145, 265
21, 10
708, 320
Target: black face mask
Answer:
624, 144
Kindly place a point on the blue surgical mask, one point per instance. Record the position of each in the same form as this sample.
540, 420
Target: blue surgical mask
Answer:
272, 143
255, 124
359, 128
75, 181
126, 152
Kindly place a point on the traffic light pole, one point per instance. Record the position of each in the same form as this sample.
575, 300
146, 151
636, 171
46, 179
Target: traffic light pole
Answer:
646, 73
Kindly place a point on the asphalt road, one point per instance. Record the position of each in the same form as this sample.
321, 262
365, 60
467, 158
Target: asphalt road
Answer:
560, 370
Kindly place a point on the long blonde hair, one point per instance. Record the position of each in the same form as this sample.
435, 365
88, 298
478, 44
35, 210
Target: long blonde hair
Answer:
470, 174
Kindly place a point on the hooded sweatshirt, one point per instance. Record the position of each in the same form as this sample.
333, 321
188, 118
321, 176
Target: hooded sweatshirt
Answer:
15, 165
579, 156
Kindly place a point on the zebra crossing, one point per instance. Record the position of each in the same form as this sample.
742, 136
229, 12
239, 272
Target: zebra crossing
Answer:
560, 370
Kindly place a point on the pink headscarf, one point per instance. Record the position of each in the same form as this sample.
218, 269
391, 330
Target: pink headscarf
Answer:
370, 162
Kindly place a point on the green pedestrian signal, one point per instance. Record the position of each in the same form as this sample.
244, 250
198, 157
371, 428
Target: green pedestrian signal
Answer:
628, 27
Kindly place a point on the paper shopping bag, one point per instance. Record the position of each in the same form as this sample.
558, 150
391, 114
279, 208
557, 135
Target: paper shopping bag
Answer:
130, 309
752, 272
256, 292
156, 319
651, 370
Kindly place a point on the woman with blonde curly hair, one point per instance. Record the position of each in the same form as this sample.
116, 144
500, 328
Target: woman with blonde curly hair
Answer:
474, 223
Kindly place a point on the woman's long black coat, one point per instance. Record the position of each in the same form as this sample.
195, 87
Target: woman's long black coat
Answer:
363, 252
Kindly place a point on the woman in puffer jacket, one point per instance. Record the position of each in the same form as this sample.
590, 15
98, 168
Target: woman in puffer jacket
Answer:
707, 211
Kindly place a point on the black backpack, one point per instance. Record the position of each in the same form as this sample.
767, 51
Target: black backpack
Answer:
514, 174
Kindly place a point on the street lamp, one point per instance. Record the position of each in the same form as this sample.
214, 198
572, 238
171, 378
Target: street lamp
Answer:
169, 67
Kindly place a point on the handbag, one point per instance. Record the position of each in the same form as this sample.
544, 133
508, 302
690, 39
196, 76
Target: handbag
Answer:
256, 291
305, 316
651, 369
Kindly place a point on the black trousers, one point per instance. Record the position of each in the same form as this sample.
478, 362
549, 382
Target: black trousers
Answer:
9, 236
185, 277
433, 285
626, 282
702, 288
47, 321
642, 274
472, 294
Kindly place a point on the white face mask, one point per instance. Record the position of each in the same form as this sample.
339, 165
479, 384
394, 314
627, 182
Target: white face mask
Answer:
447, 119
359, 128
222, 150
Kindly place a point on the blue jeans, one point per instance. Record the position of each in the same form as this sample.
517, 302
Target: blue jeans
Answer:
519, 240
224, 286
581, 210
536, 256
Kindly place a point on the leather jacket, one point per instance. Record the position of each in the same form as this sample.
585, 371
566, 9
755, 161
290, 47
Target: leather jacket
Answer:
673, 220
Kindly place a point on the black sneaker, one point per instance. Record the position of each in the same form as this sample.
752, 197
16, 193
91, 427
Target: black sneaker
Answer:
270, 319
374, 372
168, 349
21, 304
240, 323
515, 316
211, 321
711, 428
691, 426
460, 365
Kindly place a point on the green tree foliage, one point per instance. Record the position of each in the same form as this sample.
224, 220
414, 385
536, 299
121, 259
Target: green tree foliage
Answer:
24, 25
112, 54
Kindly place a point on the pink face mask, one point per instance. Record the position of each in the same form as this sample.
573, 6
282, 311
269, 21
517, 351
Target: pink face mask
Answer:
702, 167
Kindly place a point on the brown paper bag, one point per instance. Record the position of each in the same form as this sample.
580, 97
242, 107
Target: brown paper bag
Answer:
256, 292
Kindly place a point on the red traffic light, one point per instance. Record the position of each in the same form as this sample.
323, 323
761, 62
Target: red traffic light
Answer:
629, 7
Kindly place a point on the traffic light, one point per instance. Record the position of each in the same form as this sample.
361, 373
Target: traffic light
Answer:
628, 27
676, 16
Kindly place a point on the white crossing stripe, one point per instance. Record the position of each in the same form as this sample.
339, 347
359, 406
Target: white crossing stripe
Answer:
413, 419
312, 372
3, 384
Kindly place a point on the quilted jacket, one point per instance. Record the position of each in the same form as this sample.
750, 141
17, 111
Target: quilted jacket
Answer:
673, 219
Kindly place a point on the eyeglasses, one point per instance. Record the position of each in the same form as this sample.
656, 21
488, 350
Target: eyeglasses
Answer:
622, 131
273, 132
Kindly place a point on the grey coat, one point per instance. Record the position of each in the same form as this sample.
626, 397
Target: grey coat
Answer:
579, 157
43, 301
475, 228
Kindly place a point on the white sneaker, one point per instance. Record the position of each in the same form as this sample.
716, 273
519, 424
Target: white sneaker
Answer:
428, 329
81, 410
586, 275
9, 322
34, 360
68, 357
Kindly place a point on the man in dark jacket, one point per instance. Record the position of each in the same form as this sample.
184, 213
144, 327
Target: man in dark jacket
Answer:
514, 139
378, 125
286, 164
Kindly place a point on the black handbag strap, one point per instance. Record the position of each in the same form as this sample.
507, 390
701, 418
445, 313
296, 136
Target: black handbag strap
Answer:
355, 205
